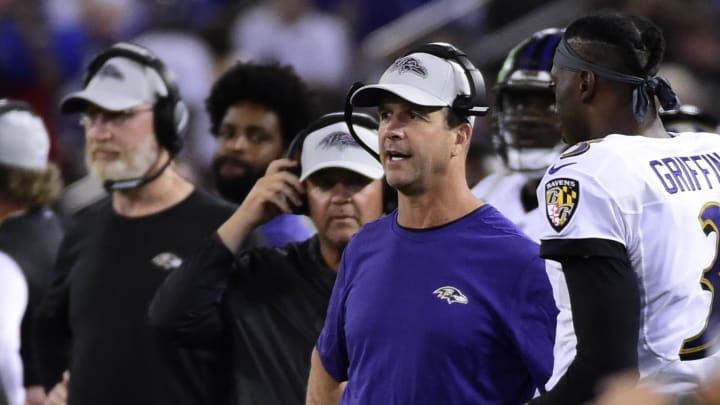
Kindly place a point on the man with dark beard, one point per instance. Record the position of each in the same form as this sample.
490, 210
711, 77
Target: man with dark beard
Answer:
255, 110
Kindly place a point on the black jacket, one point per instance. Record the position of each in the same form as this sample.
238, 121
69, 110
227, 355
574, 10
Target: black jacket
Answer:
270, 301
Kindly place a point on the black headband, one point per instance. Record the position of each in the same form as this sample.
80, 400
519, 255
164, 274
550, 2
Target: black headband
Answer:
643, 87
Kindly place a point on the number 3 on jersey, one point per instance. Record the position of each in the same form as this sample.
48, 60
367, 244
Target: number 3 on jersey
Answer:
706, 342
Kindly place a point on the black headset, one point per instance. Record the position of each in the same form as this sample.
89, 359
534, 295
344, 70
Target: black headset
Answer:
473, 104
7, 105
171, 113
296, 145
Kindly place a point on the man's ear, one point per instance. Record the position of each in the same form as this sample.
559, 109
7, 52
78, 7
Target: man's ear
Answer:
463, 135
587, 85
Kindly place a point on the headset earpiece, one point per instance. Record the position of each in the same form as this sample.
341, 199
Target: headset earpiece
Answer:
294, 153
295, 150
171, 113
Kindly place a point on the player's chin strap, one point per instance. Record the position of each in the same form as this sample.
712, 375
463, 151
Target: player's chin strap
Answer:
127, 184
643, 87
348, 115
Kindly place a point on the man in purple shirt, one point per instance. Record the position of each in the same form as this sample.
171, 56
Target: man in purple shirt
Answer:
444, 300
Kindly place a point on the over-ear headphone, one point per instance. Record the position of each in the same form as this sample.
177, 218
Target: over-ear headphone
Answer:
474, 103
296, 145
7, 105
171, 113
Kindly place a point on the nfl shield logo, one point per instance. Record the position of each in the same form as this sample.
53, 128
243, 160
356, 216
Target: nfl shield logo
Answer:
561, 198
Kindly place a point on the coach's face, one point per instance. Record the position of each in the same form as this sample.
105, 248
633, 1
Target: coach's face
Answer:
250, 137
415, 145
119, 144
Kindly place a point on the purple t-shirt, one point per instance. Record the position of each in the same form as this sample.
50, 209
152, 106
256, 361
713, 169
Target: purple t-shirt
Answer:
458, 314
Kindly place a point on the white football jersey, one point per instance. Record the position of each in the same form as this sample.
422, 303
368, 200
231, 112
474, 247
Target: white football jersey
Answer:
502, 190
660, 200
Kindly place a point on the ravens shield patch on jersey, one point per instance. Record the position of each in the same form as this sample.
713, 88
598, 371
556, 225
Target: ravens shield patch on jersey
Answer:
561, 199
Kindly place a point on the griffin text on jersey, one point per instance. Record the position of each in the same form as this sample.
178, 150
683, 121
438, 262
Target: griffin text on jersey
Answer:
688, 173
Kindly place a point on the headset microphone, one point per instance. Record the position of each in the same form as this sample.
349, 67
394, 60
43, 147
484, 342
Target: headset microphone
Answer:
127, 184
348, 115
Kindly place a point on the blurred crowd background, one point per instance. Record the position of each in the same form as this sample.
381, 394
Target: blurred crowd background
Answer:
45, 46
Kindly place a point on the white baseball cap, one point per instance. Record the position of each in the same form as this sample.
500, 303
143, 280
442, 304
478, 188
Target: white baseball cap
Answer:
419, 78
332, 146
119, 84
24, 141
